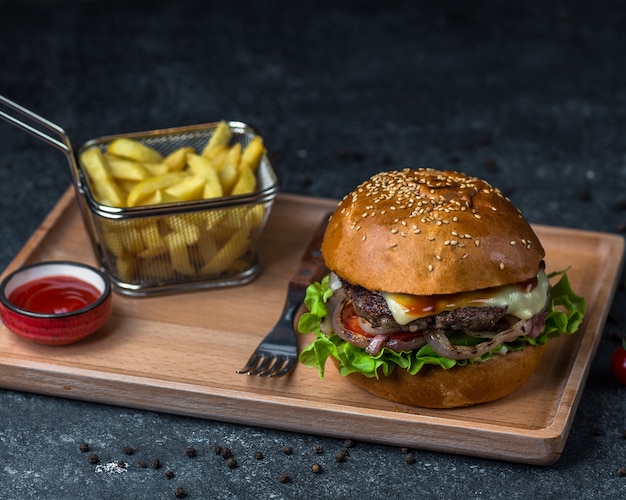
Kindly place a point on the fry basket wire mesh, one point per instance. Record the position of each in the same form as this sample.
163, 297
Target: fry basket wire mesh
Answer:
156, 249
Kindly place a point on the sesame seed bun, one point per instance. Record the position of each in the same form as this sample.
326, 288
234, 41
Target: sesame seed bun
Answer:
477, 383
427, 232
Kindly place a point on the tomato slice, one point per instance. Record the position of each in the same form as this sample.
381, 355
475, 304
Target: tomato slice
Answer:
351, 322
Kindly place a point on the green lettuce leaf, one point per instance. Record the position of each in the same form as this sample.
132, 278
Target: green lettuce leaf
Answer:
566, 312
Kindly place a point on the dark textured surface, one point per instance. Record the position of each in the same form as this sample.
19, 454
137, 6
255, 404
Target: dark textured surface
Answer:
530, 96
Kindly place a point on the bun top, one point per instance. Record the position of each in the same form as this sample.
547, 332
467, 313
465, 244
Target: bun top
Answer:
427, 232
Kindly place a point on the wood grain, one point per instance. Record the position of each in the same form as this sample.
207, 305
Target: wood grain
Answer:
179, 353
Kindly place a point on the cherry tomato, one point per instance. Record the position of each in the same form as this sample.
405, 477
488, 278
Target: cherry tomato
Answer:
618, 364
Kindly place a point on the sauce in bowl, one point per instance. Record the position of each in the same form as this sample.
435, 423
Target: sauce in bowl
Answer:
54, 295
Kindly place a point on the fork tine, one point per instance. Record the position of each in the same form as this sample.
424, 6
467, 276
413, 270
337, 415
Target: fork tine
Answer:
264, 362
287, 367
251, 363
276, 367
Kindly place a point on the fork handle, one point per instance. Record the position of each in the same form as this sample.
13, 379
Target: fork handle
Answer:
311, 266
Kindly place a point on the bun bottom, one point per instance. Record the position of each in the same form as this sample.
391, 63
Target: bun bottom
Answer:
434, 387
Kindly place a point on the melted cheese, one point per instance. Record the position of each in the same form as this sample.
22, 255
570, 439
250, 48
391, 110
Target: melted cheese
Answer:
522, 300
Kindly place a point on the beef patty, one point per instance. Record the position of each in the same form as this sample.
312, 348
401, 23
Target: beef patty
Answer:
373, 307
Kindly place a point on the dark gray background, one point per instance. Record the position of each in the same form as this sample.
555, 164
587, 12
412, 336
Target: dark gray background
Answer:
528, 95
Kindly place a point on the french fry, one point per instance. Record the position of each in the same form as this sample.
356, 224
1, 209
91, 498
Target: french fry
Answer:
152, 240
203, 167
228, 254
252, 153
103, 183
255, 216
219, 158
177, 160
127, 170
188, 188
221, 137
228, 173
228, 177
186, 227
134, 150
155, 268
125, 266
159, 197
157, 168
150, 186
246, 183
179, 256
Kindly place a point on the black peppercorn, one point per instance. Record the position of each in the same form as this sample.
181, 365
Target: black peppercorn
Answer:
191, 452
258, 455
409, 458
169, 474
84, 447
348, 443
284, 478
142, 464
231, 462
319, 449
226, 453
93, 458
129, 450
180, 492
156, 463
287, 450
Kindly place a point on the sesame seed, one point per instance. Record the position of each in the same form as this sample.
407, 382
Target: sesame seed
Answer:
430, 268
477, 243
394, 231
513, 243
501, 266
364, 237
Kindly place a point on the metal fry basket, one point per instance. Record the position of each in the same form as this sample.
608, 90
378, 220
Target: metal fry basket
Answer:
165, 248
170, 246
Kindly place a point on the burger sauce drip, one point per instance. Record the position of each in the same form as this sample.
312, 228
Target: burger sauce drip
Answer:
54, 295
426, 305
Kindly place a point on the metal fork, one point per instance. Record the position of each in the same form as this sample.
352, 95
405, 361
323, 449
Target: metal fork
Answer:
277, 354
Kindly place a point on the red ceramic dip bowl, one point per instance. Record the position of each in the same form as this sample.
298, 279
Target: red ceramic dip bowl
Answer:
55, 303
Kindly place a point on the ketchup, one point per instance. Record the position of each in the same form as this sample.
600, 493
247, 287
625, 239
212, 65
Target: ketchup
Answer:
54, 295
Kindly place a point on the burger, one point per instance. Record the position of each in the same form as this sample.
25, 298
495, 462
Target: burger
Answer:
437, 294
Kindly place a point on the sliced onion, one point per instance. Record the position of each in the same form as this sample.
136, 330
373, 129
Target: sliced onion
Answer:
439, 341
375, 339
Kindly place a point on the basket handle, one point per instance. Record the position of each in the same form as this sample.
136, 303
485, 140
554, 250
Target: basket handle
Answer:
35, 125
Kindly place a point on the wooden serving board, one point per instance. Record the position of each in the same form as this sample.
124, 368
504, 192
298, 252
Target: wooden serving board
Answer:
179, 353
